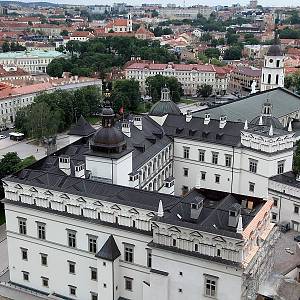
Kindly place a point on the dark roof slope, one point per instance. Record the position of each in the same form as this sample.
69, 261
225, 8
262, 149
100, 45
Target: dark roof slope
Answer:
176, 126
109, 250
82, 128
162, 108
283, 102
288, 178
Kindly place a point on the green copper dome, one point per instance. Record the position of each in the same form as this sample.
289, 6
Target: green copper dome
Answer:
165, 106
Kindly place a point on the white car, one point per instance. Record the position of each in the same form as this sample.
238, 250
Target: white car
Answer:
2, 136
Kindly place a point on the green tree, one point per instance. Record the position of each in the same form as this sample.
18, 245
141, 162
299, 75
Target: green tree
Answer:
212, 53
55, 68
5, 47
205, 90
156, 83
233, 53
64, 32
126, 94
9, 164
203, 58
41, 121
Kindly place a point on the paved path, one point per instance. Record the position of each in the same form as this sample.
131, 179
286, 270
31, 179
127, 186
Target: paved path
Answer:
14, 294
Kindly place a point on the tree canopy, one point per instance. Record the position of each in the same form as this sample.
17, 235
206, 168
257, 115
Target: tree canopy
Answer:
54, 112
205, 90
101, 54
156, 83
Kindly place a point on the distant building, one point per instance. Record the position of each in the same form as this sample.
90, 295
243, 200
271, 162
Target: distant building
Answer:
81, 36
144, 34
99, 9
35, 61
180, 13
119, 25
241, 78
191, 76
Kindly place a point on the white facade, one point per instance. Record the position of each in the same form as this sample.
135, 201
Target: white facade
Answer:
272, 73
285, 194
190, 76
31, 61
46, 223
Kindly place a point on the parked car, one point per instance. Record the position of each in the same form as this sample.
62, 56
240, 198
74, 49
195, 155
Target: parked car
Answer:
2, 136
297, 238
284, 226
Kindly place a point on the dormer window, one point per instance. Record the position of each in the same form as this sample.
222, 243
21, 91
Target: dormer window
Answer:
195, 206
79, 168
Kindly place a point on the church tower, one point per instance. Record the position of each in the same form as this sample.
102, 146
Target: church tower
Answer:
273, 69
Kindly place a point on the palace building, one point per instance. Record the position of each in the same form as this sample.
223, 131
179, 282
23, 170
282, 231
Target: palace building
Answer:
162, 206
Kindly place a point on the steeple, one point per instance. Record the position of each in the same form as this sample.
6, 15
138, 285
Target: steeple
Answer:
267, 109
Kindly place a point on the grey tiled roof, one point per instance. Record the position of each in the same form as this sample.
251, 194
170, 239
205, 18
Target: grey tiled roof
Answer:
176, 126
288, 178
92, 189
214, 214
82, 128
283, 102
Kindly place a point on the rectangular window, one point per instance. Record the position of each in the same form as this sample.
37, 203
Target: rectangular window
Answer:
41, 229
149, 258
72, 290
25, 276
217, 178
296, 209
251, 186
44, 259
215, 156
252, 165
128, 253
228, 159
92, 243
71, 267
24, 253
274, 217
203, 175
201, 155
186, 152
94, 296
128, 284
185, 172
45, 282
210, 286
94, 274
280, 167
275, 202
72, 238
22, 226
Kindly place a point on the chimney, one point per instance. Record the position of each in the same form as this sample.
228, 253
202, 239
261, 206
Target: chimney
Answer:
234, 214
65, 164
137, 122
246, 125
271, 131
196, 208
290, 128
160, 212
126, 129
206, 119
239, 228
188, 116
80, 171
223, 120
260, 121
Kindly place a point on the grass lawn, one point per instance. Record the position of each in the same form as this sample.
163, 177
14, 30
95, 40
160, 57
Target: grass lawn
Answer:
93, 120
186, 101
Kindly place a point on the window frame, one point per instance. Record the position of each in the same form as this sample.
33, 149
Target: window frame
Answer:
215, 158
94, 271
41, 230
129, 281
44, 256
92, 243
129, 253
253, 164
208, 280
72, 267
23, 251
186, 152
201, 157
70, 238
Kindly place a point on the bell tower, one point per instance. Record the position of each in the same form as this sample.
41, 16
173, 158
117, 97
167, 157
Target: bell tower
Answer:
273, 69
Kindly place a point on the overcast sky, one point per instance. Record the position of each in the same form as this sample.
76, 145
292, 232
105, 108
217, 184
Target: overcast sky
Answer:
180, 2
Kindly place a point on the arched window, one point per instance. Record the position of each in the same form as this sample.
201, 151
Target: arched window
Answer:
269, 78
277, 79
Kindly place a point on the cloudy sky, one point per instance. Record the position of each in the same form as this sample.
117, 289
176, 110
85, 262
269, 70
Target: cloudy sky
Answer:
180, 2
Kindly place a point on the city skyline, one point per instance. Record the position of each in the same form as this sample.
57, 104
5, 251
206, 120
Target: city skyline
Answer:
181, 3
